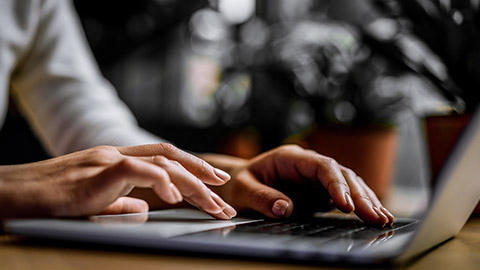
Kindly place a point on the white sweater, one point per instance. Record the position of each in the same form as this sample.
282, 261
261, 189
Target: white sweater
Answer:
48, 69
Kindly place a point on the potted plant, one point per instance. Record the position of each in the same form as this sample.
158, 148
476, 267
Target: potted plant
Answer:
326, 87
451, 30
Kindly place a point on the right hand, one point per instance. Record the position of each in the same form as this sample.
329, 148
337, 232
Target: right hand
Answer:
94, 181
272, 181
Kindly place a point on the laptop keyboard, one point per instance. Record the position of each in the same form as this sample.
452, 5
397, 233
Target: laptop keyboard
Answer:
319, 227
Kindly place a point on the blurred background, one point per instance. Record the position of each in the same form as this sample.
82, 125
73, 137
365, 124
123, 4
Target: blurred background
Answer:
361, 80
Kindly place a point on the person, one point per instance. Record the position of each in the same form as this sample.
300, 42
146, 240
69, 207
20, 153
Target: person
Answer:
102, 155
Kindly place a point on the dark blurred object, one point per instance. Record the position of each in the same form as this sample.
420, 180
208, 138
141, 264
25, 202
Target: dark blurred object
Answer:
118, 27
344, 80
302, 194
136, 45
451, 29
289, 68
442, 134
17, 141
277, 71
410, 52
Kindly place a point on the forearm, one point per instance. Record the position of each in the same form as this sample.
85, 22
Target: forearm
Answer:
18, 198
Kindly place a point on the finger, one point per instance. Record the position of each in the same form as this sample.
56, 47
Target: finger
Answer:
198, 167
193, 188
123, 176
365, 207
262, 198
126, 205
226, 214
228, 210
391, 217
290, 161
377, 202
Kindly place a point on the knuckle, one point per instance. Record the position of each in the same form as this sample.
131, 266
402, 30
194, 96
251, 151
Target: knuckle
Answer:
291, 148
197, 193
196, 190
176, 163
162, 175
167, 148
103, 154
161, 160
328, 162
332, 187
351, 173
167, 163
126, 164
204, 166
360, 196
336, 187
200, 186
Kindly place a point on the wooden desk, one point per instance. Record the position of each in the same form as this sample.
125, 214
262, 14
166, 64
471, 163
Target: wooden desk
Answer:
462, 252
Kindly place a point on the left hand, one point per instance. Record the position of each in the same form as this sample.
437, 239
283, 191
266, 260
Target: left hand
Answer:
96, 180
253, 182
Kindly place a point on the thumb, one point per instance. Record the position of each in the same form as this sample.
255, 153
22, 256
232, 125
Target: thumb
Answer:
266, 200
126, 205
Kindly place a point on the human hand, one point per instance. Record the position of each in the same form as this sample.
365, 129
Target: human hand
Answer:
300, 172
93, 181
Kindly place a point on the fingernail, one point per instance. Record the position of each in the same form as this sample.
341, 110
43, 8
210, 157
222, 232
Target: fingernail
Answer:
230, 211
381, 215
227, 209
390, 216
222, 215
280, 207
219, 201
349, 201
224, 176
176, 195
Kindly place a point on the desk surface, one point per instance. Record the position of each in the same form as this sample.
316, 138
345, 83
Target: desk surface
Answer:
462, 252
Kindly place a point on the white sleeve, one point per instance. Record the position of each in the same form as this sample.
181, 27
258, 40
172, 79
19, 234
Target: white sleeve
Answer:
62, 93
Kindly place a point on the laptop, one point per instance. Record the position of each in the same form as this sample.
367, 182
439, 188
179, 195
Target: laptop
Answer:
324, 237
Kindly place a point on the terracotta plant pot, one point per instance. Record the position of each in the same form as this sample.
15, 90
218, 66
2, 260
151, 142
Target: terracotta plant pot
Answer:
370, 152
442, 133
242, 143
